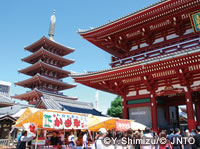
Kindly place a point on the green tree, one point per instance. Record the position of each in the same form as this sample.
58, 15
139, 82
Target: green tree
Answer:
116, 108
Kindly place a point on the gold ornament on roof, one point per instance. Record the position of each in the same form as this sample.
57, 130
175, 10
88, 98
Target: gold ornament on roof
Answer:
52, 26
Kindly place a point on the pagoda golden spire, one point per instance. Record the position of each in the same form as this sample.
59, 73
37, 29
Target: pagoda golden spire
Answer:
52, 25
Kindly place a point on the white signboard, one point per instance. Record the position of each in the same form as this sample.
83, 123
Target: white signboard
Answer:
64, 121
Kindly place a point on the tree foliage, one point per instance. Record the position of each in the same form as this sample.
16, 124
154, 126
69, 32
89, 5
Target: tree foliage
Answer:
116, 108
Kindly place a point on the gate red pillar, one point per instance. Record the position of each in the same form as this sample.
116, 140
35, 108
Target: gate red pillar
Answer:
124, 108
154, 113
197, 111
190, 113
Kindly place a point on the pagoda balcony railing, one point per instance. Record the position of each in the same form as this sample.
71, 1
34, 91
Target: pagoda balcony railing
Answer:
53, 52
158, 52
45, 90
52, 91
50, 77
146, 61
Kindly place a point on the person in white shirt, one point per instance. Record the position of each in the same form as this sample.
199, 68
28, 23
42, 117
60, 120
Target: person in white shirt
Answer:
85, 140
99, 142
71, 139
23, 139
147, 135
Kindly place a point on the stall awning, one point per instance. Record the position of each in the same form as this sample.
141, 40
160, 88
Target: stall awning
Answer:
54, 119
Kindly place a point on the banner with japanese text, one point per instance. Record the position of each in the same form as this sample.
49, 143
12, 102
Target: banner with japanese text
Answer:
64, 121
122, 125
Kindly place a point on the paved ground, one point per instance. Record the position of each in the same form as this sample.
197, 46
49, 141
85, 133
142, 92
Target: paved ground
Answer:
7, 147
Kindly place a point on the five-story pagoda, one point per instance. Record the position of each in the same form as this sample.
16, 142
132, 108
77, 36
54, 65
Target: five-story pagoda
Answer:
46, 68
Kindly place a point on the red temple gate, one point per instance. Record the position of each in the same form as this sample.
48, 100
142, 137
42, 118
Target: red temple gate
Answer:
155, 60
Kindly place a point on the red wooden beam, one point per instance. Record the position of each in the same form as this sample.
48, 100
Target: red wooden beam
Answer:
138, 105
138, 97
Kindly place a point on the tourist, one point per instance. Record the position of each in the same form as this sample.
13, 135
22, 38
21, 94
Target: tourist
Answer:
187, 145
54, 139
60, 141
114, 132
79, 141
156, 137
192, 133
167, 145
85, 140
130, 136
61, 135
149, 136
175, 139
110, 134
137, 136
66, 138
96, 136
182, 132
98, 143
197, 138
119, 136
171, 134
90, 139
23, 139
71, 139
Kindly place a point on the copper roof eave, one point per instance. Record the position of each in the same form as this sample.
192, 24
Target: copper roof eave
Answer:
45, 52
150, 13
162, 2
109, 50
123, 25
28, 94
45, 79
42, 64
40, 93
44, 40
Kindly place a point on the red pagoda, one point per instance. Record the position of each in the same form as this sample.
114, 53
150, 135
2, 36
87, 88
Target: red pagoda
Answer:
46, 68
46, 74
155, 62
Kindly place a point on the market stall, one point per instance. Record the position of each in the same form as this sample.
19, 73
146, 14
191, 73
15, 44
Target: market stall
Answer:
44, 120
52, 119
47, 121
115, 123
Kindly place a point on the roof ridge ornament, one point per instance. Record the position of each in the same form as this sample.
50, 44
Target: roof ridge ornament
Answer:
52, 25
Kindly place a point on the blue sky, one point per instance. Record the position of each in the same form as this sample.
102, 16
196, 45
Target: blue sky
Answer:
23, 22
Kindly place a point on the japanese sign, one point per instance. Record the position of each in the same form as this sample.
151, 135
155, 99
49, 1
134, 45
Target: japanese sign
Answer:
122, 125
195, 20
64, 121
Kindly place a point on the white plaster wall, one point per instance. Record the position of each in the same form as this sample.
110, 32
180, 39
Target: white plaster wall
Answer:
142, 92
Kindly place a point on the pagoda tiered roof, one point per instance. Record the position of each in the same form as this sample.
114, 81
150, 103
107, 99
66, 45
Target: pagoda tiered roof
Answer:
40, 65
38, 93
43, 53
38, 79
47, 43
47, 59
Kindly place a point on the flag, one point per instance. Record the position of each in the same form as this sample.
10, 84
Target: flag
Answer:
30, 127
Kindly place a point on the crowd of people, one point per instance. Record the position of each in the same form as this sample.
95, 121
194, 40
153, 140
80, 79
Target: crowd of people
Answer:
111, 139
172, 139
